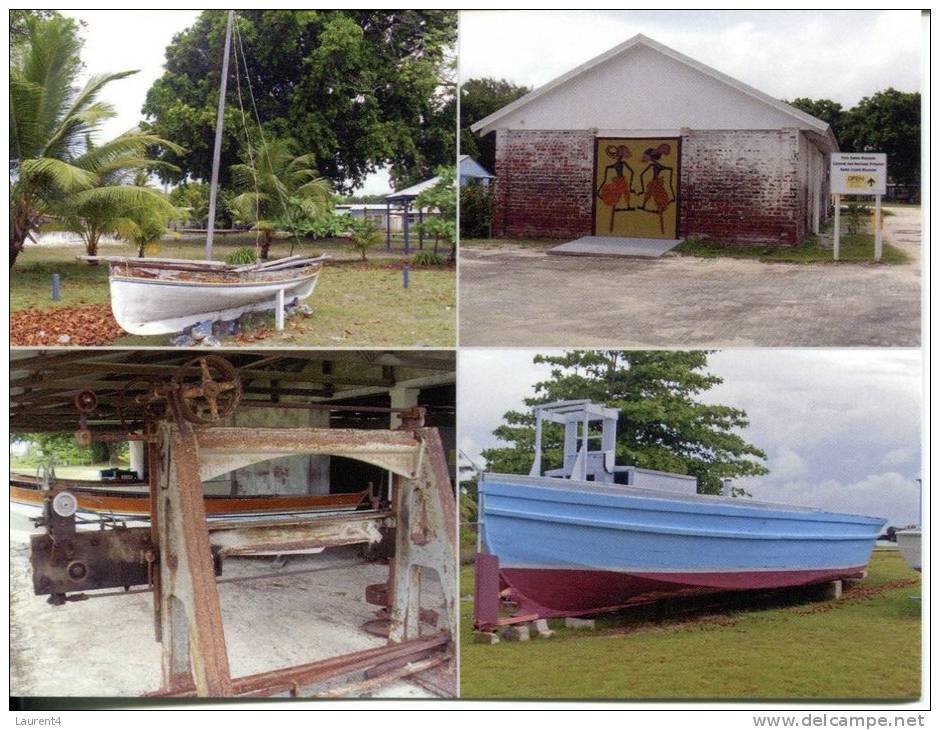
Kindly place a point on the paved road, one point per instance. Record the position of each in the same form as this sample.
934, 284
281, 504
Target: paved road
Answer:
519, 295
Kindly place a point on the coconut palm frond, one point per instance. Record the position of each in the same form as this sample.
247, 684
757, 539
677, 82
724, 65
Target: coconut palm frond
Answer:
60, 175
129, 144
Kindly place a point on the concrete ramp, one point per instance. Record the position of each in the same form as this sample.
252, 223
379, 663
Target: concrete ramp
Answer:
649, 248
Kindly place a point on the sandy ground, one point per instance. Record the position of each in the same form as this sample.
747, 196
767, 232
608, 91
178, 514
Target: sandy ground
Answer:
519, 295
105, 647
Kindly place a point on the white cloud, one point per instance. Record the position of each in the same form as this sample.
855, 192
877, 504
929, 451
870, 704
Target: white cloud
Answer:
122, 40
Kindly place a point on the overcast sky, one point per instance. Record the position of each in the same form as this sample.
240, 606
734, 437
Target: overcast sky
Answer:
839, 55
120, 40
841, 428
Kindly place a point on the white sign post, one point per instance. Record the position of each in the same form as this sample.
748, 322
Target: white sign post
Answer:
858, 173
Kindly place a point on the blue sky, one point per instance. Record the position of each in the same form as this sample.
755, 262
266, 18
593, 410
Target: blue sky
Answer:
836, 54
841, 428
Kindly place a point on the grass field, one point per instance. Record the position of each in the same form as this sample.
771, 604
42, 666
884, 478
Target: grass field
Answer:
857, 248
864, 646
356, 304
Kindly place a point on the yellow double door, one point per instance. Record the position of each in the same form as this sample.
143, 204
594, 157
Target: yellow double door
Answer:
636, 184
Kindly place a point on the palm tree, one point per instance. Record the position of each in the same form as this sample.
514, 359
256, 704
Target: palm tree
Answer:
54, 164
277, 184
120, 204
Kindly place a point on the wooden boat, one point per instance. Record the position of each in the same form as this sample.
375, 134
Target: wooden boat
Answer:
909, 547
132, 502
163, 296
607, 537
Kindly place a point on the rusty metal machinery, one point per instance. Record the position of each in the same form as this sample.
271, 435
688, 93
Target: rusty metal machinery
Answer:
179, 556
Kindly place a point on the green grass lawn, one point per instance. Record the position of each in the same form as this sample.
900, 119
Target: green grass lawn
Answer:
513, 242
63, 471
356, 304
856, 248
864, 646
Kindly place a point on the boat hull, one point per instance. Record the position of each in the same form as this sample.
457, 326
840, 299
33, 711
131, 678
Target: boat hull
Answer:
105, 501
156, 303
564, 548
909, 547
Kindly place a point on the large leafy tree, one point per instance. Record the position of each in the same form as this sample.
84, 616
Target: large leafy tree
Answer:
54, 162
827, 110
358, 89
478, 99
663, 424
887, 121
273, 182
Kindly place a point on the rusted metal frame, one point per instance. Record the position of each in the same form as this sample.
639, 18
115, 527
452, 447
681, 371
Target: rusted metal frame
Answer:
390, 674
326, 406
228, 448
425, 538
315, 532
193, 645
291, 679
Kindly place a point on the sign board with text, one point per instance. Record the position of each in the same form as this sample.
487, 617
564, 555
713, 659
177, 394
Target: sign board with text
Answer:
858, 173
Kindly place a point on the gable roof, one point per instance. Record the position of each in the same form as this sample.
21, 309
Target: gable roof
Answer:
805, 120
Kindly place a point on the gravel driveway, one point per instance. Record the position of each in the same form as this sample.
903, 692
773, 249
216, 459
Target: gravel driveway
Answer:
519, 295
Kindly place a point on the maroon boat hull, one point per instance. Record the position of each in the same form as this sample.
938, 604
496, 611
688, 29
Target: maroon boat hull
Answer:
551, 593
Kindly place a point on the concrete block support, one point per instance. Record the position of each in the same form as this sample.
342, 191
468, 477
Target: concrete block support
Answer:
518, 632
832, 591
584, 624
485, 637
540, 626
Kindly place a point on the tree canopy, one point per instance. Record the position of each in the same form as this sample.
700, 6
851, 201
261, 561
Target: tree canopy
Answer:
663, 424
478, 99
357, 89
887, 121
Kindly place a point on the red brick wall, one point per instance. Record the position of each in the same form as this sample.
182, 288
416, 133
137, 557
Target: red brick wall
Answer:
735, 186
742, 186
543, 184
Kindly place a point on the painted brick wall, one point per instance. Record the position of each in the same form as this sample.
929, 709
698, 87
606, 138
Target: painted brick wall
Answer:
736, 186
743, 186
543, 183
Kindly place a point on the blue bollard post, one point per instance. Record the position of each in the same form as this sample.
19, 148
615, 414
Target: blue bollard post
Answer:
404, 275
55, 288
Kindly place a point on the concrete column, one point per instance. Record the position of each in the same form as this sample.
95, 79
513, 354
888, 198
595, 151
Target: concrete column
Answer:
402, 398
138, 457
318, 466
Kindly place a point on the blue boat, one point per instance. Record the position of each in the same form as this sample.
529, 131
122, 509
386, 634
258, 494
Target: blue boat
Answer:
593, 537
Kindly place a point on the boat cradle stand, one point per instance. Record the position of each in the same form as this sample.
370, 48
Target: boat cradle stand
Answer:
179, 553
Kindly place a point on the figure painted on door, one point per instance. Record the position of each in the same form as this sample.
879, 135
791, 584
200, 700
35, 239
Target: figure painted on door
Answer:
657, 188
614, 189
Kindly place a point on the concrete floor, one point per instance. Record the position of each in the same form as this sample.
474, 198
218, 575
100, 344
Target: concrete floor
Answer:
105, 647
517, 295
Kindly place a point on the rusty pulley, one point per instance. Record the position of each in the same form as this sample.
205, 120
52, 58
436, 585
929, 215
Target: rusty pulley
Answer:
86, 401
142, 400
212, 394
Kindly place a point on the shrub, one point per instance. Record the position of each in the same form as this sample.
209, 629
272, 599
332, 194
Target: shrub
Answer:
363, 235
243, 255
476, 210
427, 258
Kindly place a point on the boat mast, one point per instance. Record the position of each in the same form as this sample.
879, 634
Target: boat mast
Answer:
217, 149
